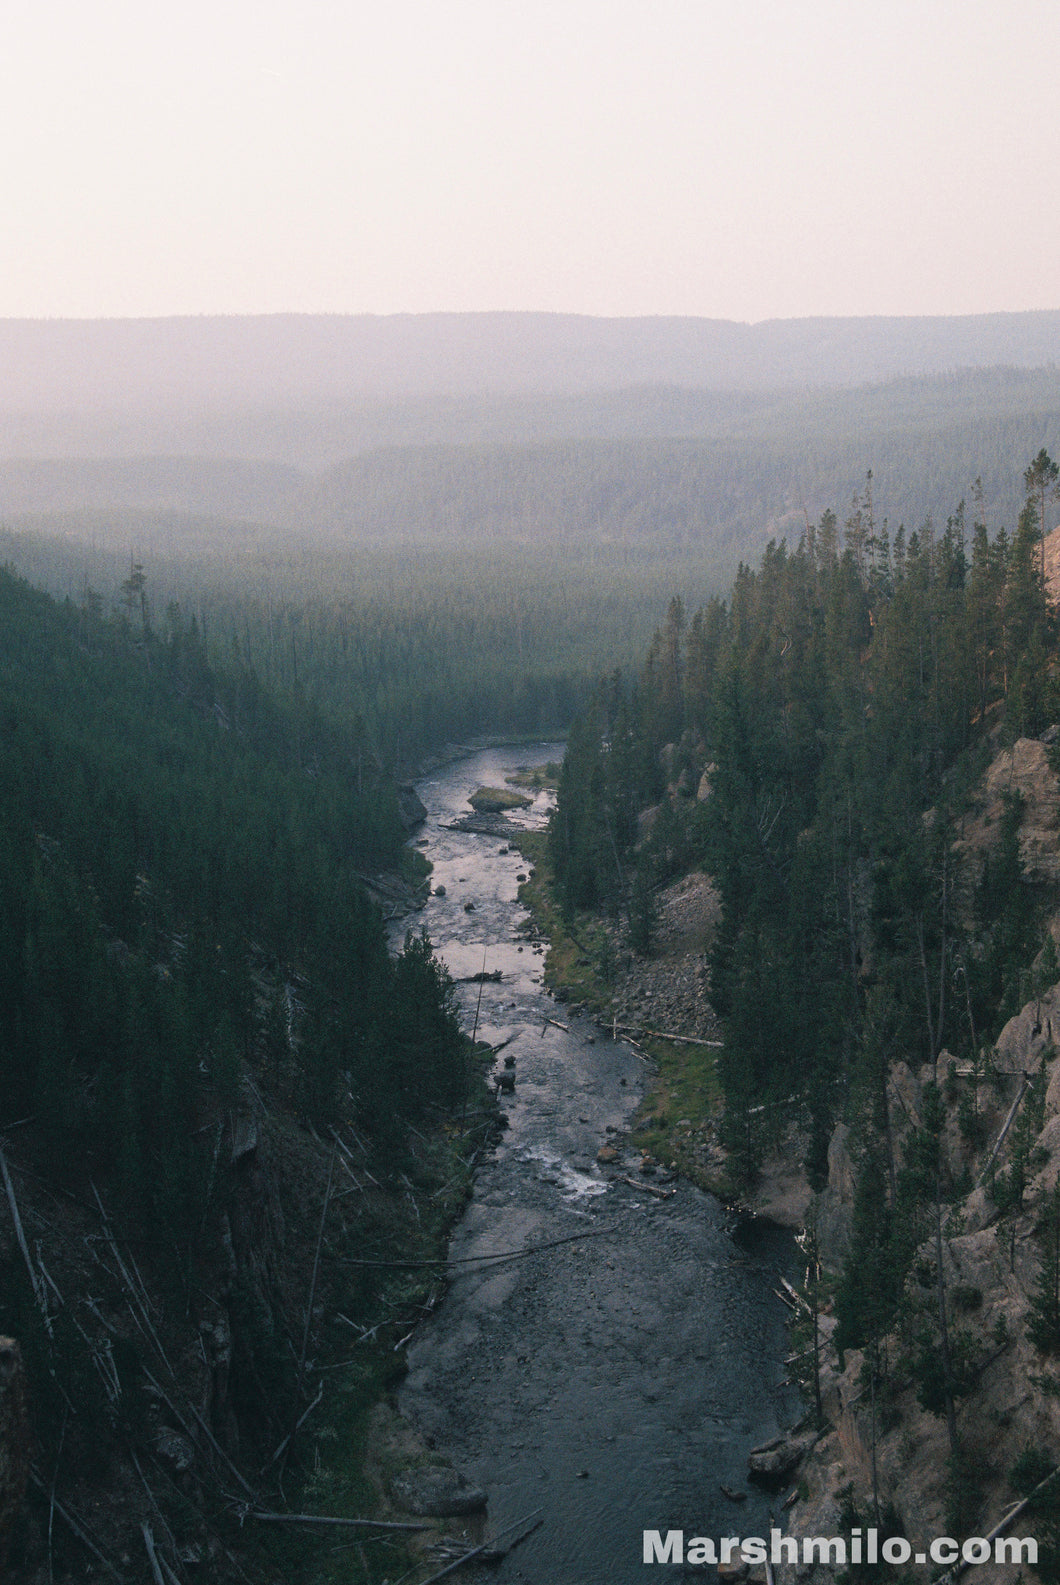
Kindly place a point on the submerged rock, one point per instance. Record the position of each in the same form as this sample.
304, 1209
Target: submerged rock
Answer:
496, 800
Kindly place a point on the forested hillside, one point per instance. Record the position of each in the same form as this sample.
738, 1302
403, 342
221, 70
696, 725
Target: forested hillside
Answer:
478, 570
713, 472
197, 994
403, 651
848, 687
859, 747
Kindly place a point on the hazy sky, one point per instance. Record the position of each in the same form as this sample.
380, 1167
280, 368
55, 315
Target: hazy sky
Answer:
738, 159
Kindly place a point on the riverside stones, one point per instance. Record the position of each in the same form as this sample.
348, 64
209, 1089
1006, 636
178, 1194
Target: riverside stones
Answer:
437, 1493
774, 1463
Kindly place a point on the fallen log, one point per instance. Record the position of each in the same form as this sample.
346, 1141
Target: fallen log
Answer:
328, 1519
152, 1555
795, 1296
1011, 1513
649, 1188
487, 1546
627, 1040
36, 1282
680, 1040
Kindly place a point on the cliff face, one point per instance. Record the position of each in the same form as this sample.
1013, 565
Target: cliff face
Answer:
884, 1452
1023, 770
887, 1448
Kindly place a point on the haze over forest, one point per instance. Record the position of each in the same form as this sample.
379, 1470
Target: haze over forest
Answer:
275, 401
549, 468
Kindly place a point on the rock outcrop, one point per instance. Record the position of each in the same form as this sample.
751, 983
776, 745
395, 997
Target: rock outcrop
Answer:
885, 1446
412, 811
1025, 770
436, 1492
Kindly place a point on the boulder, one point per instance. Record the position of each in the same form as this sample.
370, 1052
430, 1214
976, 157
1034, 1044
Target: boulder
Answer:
498, 800
436, 1493
177, 1449
1024, 769
1034, 1032
412, 811
774, 1463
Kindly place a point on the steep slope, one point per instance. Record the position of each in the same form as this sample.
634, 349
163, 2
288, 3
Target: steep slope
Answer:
217, 1090
887, 1455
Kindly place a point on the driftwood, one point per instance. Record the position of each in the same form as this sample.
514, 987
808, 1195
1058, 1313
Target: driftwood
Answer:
628, 1040
500, 1254
486, 1546
635, 1032
152, 1555
326, 1519
680, 1040
795, 1296
556, 1025
649, 1188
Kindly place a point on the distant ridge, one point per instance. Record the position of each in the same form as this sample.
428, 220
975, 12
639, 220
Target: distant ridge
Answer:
269, 361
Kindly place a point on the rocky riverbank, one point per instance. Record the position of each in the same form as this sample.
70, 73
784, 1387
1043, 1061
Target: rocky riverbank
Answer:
888, 1450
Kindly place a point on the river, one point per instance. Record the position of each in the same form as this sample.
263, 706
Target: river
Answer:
618, 1381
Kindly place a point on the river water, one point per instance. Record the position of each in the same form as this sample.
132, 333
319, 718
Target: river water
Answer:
618, 1381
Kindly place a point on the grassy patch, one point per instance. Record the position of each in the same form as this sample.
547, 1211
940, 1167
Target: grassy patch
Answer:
577, 950
537, 777
684, 1093
684, 1096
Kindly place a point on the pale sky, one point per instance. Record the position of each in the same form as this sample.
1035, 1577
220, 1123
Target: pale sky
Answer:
736, 159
